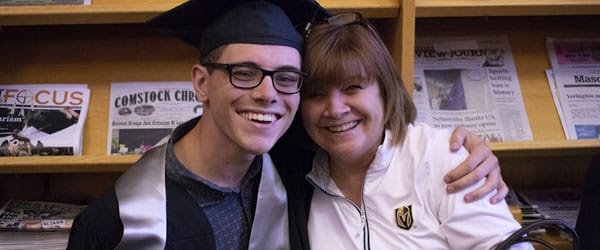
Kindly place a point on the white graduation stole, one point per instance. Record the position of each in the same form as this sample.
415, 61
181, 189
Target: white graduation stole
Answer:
142, 205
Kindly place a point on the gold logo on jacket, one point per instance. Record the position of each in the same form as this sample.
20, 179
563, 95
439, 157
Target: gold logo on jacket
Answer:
404, 217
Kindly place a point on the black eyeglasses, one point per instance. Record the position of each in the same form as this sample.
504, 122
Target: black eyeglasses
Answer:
348, 18
248, 77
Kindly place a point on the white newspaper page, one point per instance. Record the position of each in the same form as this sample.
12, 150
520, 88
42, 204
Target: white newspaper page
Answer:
143, 113
556, 98
576, 69
470, 82
42, 119
579, 93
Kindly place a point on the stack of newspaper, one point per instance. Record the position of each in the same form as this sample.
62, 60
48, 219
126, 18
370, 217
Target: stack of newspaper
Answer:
42, 119
470, 82
143, 113
34, 240
575, 84
559, 203
21, 215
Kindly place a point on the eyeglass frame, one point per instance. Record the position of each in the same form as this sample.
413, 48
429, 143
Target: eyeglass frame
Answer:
229, 68
338, 19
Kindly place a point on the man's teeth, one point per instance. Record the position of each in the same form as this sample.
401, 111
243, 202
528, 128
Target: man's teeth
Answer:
344, 127
259, 117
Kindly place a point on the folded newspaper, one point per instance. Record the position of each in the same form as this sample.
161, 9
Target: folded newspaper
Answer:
19, 215
561, 203
143, 113
42, 119
470, 82
575, 84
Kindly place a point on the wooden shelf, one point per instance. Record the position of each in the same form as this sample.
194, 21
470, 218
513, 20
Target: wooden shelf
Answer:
119, 163
99, 44
99, 12
119, 11
96, 55
369, 8
67, 164
527, 37
546, 148
108, 42
464, 8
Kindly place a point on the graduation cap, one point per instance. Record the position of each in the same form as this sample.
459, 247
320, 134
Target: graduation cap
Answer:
208, 24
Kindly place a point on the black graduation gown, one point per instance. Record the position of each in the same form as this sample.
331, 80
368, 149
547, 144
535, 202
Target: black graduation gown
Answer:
99, 226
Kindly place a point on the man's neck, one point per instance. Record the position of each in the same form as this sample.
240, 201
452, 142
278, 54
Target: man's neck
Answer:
208, 154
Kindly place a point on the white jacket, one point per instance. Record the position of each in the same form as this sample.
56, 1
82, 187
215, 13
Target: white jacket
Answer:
405, 203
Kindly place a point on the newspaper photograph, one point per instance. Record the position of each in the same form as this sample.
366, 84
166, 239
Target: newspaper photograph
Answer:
143, 113
42, 119
20, 215
575, 76
470, 82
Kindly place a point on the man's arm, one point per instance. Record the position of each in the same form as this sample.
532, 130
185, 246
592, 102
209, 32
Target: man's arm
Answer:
98, 226
480, 163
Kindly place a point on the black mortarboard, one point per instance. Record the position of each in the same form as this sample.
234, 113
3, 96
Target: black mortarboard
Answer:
208, 24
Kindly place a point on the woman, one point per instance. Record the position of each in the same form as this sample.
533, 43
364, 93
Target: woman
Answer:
377, 176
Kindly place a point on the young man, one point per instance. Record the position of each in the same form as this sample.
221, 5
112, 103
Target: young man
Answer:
213, 185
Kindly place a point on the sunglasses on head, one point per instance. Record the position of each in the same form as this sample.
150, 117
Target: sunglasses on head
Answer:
348, 18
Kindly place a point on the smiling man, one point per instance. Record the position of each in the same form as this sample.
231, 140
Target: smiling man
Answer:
213, 185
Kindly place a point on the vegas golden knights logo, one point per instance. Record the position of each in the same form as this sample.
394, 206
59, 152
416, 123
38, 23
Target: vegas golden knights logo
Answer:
404, 218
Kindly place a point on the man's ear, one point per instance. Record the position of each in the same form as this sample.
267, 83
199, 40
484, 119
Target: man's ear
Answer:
200, 82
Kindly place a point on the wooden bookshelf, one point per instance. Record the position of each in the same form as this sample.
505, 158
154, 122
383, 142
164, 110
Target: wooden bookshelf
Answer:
527, 39
108, 42
549, 160
92, 54
464, 8
123, 11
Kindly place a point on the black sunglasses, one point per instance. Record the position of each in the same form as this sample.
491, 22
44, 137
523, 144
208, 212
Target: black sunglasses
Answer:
347, 18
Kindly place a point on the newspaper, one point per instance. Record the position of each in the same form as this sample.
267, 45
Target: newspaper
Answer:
44, 2
42, 119
19, 215
143, 113
575, 77
28, 240
573, 53
470, 82
556, 99
560, 203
